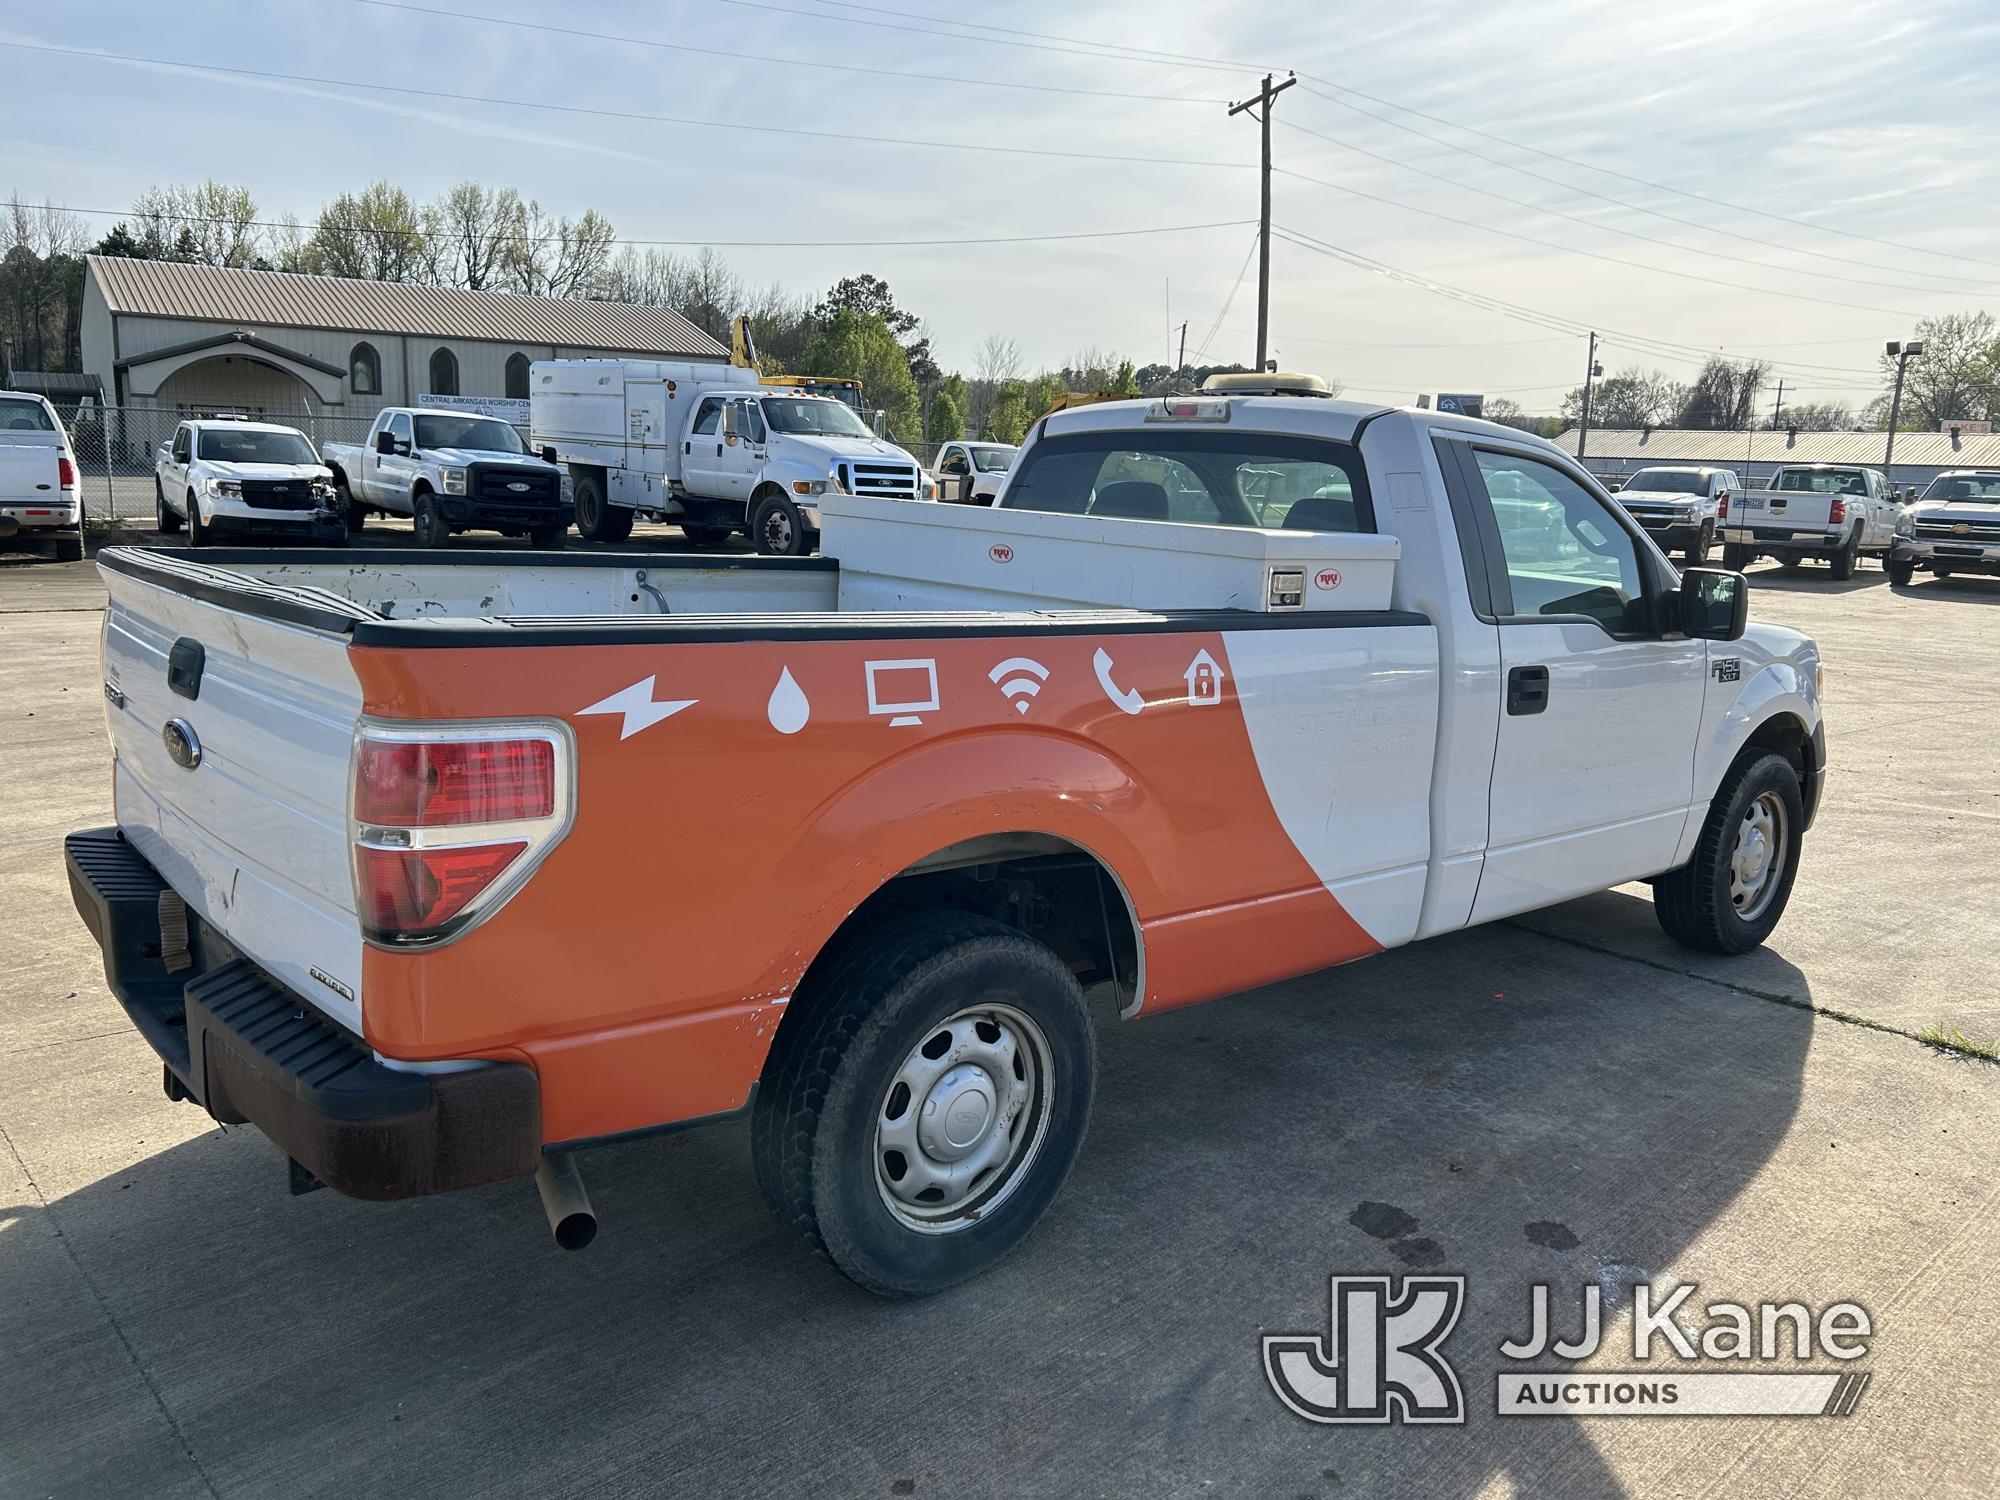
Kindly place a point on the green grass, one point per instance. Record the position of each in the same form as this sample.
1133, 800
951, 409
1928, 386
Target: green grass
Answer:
1951, 1039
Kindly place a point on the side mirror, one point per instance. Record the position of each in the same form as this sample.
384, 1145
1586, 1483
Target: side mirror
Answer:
731, 426
1715, 604
548, 453
385, 441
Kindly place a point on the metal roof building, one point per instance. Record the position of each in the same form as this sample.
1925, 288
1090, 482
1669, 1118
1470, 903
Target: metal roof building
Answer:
1920, 456
184, 338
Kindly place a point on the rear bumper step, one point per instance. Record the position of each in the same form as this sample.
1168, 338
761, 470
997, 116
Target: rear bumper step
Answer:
247, 1049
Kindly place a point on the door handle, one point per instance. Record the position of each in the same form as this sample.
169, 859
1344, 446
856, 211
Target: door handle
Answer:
1527, 690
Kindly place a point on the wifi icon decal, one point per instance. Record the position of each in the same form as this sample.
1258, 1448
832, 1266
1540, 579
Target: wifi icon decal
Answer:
1020, 679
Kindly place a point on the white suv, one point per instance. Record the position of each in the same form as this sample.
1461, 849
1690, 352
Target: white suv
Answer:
225, 476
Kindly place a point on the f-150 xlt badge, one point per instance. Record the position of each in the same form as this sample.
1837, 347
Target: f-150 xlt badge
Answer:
1727, 668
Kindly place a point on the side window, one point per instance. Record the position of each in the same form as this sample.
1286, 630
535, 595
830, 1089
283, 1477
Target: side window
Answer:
709, 417
399, 427
1565, 554
752, 415
180, 445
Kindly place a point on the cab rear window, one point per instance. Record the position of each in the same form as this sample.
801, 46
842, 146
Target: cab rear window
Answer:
25, 416
1268, 480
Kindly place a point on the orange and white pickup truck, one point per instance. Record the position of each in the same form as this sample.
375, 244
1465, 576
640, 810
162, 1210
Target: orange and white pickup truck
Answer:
440, 869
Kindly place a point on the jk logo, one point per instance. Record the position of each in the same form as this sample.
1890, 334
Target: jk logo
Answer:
1380, 1362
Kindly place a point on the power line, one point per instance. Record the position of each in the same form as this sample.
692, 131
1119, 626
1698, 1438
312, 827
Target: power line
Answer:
717, 244
1615, 229
1639, 208
734, 127
788, 62
1237, 286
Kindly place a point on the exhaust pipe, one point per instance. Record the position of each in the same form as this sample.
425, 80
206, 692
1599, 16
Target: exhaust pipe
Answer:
571, 1219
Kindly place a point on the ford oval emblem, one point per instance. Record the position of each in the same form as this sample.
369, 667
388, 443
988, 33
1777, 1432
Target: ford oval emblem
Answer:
1327, 578
518, 488
1000, 552
182, 744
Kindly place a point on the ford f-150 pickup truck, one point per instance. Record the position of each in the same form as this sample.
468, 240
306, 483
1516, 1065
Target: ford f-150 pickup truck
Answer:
1840, 512
231, 477
400, 874
450, 471
1953, 527
40, 500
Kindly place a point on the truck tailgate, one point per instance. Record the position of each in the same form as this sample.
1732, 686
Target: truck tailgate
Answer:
1784, 510
252, 829
30, 473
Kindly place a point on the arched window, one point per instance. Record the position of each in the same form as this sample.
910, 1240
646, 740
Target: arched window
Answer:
444, 373
517, 377
364, 371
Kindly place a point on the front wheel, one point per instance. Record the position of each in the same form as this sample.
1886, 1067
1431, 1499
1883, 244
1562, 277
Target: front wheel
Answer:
428, 520
1731, 894
926, 1102
197, 528
778, 527
1900, 572
1697, 550
1736, 557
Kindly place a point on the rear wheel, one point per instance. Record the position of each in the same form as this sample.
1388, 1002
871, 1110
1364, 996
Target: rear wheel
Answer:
69, 549
925, 1100
1737, 557
1848, 559
596, 517
428, 520
356, 512
778, 528
1900, 572
1697, 550
164, 518
1731, 894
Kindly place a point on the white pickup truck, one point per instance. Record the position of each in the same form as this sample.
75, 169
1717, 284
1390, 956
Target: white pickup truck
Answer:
39, 496
1841, 512
1952, 527
706, 447
371, 884
971, 473
450, 471
1680, 506
231, 477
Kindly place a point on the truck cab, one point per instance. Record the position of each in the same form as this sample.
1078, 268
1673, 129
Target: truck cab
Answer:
971, 473
228, 476
450, 471
707, 447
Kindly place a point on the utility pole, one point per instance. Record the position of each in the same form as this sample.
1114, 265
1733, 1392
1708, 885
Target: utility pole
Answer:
1183, 362
1902, 354
1591, 370
1778, 406
1267, 97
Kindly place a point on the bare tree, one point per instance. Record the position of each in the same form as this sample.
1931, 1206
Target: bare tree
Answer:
212, 223
996, 359
376, 235
548, 256
476, 225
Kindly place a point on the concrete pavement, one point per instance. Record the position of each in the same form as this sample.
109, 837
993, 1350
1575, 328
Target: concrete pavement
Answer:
1569, 1099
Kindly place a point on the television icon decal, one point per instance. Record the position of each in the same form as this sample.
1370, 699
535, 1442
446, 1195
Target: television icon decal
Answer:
1204, 680
903, 689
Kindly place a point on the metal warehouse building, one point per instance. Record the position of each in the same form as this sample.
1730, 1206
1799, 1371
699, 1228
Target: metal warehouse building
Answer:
1920, 456
180, 339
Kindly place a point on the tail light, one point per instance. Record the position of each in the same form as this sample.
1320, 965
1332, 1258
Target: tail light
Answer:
448, 821
1837, 511
1722, 506
65, 472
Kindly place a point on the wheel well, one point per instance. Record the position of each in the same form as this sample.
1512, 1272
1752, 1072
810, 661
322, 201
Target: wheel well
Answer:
768, 488
1056, 892
1786, 736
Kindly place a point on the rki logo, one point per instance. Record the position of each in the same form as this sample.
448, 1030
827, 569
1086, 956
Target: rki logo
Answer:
1327, 578
1000, 552
1380, 1361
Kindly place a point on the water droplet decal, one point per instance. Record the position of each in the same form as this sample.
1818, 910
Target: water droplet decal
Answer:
788, 708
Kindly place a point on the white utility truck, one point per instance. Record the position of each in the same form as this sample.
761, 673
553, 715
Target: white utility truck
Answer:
231, 477
39, 497
706, 447
376, 815
449, 471
1841, 512
971, 473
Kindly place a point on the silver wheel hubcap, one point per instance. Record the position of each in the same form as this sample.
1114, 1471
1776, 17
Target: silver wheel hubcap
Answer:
1756, 868
778, 531
962, 1118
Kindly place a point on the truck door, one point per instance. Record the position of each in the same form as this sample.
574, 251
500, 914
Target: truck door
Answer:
701, 451
389, 474
1593, 770
175, 483
744, 455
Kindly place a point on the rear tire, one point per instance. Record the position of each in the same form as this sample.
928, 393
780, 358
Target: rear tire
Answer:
428, 521
1900, 573
1736, 557
69, 549
163, 514
596, 517
1729, 897
1848, 559
356, 512
962, 1014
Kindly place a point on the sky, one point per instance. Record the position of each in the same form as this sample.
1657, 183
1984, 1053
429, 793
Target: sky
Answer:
1792, 182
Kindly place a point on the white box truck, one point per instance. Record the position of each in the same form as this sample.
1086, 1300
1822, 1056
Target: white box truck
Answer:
707, 447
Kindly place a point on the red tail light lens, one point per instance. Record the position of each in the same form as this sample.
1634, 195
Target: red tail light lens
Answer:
443, 783
404, 891
65, 472
1837, 512
1722, 506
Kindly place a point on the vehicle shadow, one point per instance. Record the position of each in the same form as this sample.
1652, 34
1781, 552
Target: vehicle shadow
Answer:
1816, 578
1972, 588
1495, 1104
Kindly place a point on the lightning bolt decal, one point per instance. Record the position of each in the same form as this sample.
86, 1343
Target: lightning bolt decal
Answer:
638, 708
